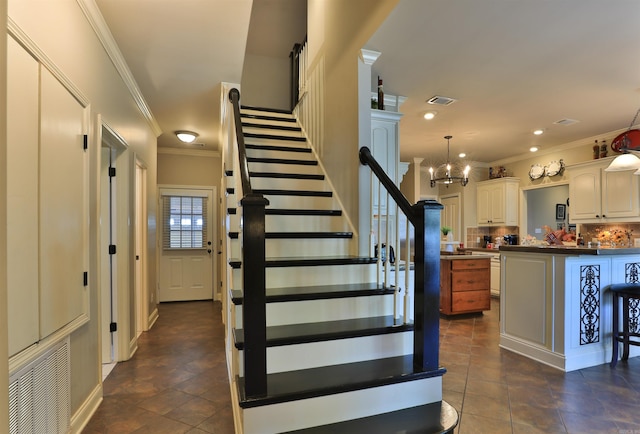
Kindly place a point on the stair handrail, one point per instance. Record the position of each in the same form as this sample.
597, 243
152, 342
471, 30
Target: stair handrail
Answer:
367, 159
254, 318
425, 218
234, 97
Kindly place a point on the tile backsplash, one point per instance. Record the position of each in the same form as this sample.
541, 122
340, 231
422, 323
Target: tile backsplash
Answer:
475, 233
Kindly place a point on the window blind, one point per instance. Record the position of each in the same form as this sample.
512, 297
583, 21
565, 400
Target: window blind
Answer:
184, 222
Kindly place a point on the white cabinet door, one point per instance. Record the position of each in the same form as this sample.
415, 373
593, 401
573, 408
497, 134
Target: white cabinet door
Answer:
497, 202
585, 193
620, 194
63, 207
497, 206
484, 205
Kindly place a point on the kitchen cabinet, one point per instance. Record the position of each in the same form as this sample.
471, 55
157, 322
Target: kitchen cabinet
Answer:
597, 196
464, 285
497, 202
385, 149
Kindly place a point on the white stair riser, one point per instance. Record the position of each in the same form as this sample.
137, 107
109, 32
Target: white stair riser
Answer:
270, 131
290, 155
305, 223
316, 354
275, 142
301, 202
323, 410
259, 183
283, 168
249, 111
281, 123
285, 277
309, 311
309, 247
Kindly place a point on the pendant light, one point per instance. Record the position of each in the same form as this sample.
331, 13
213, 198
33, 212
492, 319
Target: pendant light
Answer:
628, 160
448, 173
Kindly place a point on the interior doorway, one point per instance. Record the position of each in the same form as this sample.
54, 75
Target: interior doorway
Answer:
113, 230
140, 271
451, 215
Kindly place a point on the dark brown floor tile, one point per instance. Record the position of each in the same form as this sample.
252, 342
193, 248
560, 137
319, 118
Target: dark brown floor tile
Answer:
488, 389
163, 425
596, 423
473, 424
540, 417
480, 405
165, 401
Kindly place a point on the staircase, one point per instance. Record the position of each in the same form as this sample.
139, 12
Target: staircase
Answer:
339, 359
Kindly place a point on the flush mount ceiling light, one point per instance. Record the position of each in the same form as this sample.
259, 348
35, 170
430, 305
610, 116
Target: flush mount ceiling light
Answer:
430, 115
186, 136
538, 132
448, 173
629, 159
533, 149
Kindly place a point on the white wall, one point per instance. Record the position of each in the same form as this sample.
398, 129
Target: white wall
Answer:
4, 344
62, 33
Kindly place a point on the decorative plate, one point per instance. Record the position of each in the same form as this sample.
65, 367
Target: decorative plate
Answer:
536, 172
554, 168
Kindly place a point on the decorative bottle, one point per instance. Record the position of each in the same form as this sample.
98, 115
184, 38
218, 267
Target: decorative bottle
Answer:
596, 151
603, 149
380, 95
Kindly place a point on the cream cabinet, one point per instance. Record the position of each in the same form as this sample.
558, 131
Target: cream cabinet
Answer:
598, 196
386, 151
497, 202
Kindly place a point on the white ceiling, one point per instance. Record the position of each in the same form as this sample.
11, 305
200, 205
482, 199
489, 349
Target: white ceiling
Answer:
513, 65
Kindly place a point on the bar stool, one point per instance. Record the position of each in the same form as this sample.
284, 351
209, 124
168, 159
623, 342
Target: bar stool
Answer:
624, 291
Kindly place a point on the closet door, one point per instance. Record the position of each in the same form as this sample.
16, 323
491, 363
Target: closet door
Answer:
63, 206
22, 193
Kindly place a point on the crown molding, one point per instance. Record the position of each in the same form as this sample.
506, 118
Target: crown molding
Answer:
189, 152
369, 56
95, 18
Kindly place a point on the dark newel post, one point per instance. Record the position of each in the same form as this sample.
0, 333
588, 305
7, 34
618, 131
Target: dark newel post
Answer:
427, 285
254, 282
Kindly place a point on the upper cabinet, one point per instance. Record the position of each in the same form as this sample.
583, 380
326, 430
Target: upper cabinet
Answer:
385, 149
598, 196
497, 202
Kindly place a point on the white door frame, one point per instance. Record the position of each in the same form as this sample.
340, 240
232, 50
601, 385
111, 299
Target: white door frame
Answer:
213, 229
140, 249
460, 235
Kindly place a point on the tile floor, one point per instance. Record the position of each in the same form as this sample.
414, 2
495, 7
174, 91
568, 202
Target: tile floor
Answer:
177, 383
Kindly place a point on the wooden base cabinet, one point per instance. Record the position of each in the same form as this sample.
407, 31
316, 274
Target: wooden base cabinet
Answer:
465, 285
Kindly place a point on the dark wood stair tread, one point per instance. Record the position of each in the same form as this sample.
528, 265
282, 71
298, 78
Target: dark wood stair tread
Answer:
271, 127
278, 148
265, 109
282, 161
434, 418
328, 380
314, 193
311, 176
328, 330
319, 292
310, 261
300, 235
274, 137
267, 117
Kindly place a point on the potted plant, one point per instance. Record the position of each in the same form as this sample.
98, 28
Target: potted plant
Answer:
448, 234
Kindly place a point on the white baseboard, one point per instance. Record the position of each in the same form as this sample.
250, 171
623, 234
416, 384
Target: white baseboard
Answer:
153, 317
81, 418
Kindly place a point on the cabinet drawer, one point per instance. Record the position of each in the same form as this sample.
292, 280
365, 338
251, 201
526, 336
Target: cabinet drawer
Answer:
471, 280
467, 264
471, 301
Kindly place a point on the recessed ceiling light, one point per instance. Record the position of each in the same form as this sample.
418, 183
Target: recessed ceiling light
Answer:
186, 136
430, 115
462, 155
538, 132
533, 149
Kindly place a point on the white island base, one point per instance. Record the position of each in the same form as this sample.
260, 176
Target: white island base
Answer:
554, 306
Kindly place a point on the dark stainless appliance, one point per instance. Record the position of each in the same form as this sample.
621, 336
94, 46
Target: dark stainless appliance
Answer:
511, 239
486, 240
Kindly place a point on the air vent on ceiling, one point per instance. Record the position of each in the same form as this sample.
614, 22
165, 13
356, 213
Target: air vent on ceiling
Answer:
441, 100
566, 122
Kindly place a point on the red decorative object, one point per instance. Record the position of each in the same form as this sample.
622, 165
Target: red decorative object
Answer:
627, 140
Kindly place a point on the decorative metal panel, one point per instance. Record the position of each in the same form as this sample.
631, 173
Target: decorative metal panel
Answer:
589, 304
632, 275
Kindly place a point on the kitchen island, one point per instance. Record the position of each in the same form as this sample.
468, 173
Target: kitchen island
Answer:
554, 306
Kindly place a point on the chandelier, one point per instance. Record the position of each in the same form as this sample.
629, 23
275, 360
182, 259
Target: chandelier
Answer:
448, 173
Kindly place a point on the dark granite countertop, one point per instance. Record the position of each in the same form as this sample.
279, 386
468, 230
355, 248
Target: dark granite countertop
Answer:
573, 250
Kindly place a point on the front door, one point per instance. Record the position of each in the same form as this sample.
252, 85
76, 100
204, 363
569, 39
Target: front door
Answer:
186, 235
